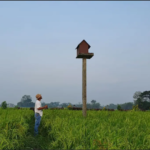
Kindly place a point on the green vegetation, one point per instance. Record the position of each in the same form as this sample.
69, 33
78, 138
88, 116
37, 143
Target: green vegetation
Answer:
118, 107
142, 99
4, 105
67, 129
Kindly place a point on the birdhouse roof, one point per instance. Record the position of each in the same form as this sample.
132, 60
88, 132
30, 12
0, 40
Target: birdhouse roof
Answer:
82, 42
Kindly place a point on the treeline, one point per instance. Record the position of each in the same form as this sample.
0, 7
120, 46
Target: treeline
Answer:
142, 99
26, 101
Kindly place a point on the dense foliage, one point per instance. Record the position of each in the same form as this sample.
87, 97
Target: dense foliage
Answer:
142, 99
67, 129
4, 105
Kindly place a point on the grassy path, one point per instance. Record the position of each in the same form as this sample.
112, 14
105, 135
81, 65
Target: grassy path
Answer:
35, 143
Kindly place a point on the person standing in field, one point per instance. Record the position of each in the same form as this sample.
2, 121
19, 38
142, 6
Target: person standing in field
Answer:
38, 113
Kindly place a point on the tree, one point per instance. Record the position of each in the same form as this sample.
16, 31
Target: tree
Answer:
93, 101
20, 104
96, 106
111, 106
145, 96
128, 105
4, 105
142, 100
118, 107
137, 95
139, 103
26, 99
88, 106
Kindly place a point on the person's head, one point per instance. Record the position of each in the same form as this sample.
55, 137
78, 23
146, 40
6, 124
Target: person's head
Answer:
38, 97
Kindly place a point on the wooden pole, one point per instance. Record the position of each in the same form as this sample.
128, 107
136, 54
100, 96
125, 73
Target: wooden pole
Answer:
84, 87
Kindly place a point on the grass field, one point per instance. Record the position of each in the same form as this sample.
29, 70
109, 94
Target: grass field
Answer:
67, 129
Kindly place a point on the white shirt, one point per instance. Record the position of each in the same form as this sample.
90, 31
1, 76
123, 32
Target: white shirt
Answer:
37, 105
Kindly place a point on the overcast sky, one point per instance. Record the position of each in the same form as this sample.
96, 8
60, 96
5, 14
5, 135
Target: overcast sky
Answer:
37, 50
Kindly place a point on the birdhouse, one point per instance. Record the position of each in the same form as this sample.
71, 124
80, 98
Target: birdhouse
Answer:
83, 50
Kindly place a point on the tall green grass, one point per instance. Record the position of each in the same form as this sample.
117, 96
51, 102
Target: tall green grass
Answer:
99, 130
13, 128
67, 129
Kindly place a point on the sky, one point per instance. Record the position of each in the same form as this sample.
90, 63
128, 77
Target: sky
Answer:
38, 55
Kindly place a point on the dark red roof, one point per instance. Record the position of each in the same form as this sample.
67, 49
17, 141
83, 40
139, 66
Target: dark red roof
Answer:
81, 42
